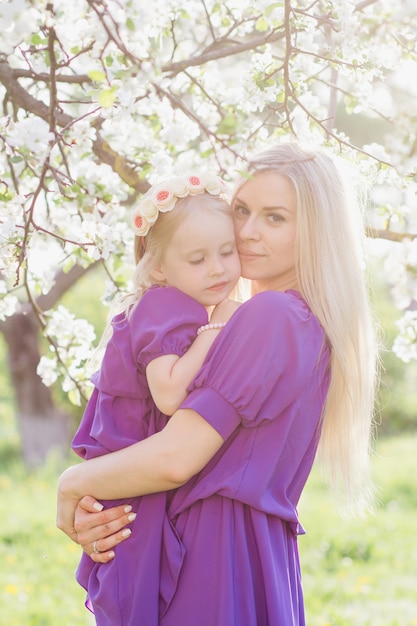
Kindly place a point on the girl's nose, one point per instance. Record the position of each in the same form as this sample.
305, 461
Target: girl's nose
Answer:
216, 266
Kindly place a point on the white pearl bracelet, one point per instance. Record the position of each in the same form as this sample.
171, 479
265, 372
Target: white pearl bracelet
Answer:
214, 326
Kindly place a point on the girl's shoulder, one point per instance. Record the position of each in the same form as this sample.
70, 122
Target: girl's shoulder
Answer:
166, 299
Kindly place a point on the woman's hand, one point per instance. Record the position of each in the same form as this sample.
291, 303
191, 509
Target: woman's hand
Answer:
99, 532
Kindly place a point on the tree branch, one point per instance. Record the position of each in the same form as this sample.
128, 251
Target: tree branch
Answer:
389, 235
60, 78
223, 49
101, 148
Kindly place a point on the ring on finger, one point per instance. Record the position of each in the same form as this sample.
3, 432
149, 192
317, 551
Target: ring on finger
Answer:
95, 549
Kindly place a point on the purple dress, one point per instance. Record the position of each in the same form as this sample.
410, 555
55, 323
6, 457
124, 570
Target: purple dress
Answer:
262, 387
119, 413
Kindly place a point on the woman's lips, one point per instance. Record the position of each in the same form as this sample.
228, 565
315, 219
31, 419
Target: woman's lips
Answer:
248, 255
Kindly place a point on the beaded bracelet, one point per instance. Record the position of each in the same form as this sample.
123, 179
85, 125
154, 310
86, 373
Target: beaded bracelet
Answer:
213, 326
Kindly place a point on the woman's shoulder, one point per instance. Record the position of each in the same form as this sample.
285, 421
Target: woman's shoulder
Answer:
282, 303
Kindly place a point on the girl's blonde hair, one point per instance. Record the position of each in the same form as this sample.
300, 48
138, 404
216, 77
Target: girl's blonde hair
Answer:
150, 249
330, 238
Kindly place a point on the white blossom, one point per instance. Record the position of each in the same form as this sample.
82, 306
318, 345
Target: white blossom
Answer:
32, 133
405, 344
48, 370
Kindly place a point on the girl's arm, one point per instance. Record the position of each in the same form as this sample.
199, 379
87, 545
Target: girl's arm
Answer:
168, 376
161, 462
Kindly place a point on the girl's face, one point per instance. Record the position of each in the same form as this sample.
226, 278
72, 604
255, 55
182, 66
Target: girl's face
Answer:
264, 210
201, 258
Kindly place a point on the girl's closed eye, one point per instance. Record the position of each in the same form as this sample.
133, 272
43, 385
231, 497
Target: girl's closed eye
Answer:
196, 261
229, 251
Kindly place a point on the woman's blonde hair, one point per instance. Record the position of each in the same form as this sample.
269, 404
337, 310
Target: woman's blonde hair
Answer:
330, 238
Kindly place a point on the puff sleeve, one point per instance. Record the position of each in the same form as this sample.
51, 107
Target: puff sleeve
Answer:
259, 363
165, 322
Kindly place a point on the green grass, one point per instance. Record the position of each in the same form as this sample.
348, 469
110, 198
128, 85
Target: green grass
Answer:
37, 575
362, 572
356, 572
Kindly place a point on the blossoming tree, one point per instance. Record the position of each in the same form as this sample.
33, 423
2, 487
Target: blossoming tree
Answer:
102, 97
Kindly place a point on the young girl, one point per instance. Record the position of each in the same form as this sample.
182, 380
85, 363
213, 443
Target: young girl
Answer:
187, 263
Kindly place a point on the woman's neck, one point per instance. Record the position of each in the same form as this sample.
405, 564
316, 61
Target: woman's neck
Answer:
258, 286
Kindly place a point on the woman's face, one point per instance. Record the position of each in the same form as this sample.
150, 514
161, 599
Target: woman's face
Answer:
264, 211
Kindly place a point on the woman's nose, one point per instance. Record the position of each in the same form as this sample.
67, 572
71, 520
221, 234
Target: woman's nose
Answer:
248, 230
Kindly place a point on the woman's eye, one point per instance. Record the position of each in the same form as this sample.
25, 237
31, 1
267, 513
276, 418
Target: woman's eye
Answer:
240, 210
275, 218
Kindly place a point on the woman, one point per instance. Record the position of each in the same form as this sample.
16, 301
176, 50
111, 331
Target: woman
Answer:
293, 370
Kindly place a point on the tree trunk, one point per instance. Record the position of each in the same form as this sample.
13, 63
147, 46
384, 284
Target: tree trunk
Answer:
42, 426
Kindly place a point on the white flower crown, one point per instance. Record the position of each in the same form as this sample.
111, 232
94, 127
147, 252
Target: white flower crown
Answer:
163, 197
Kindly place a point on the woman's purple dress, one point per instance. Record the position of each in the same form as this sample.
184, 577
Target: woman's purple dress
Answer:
228, 555
262, 388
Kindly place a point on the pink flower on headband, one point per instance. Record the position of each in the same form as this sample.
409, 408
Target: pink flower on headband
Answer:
163, 197
196, 185
140, 225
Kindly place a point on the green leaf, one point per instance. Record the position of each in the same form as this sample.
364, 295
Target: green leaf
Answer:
244, 174
74, 397
37, 40
5, 196
130, 24
227, 125
271, 7
98, 76
69, 264
107, 97
262, 25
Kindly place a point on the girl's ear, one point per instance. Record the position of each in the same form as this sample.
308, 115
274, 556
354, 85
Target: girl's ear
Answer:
158, 273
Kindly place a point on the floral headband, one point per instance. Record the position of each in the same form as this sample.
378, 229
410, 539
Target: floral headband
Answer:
163, 197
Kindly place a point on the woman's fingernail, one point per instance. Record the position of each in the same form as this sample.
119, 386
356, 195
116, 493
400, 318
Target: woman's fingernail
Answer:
127, 509
131, 517
111, 555
126, 532
97, 506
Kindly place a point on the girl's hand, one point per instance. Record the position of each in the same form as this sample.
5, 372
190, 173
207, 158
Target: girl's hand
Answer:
98, 532
223, 311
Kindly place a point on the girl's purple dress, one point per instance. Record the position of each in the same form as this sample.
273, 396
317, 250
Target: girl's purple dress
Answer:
228, 555
119, 413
